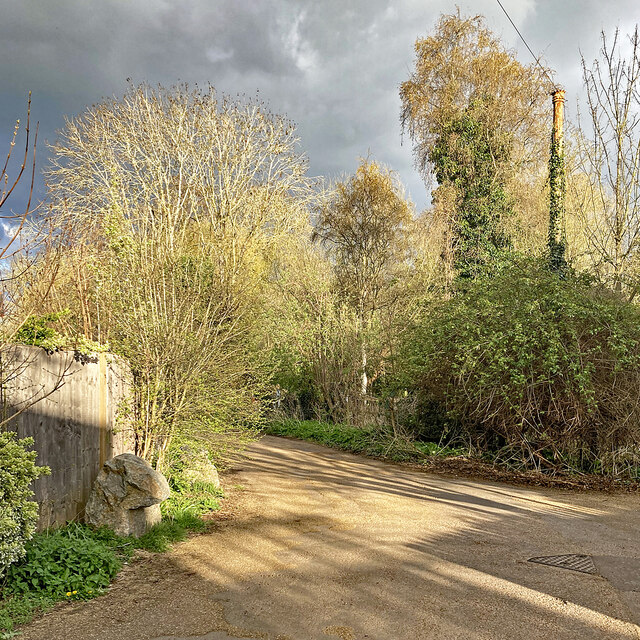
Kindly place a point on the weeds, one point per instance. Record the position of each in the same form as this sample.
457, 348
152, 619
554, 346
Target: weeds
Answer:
76, 562
373, 441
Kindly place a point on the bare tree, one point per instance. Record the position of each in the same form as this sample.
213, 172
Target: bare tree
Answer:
23, 284
179, 199
8, 186
609, 159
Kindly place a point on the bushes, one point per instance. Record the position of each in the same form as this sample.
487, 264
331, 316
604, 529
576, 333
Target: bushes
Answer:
543, 370
69, 561
77, 562
18, 513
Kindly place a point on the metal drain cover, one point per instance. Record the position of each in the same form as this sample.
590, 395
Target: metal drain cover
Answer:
572, 561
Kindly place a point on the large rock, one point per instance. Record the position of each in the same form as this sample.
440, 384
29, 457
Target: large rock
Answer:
197, 466
126, 496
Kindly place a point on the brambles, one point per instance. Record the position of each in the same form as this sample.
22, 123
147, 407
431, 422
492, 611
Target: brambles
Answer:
541, 371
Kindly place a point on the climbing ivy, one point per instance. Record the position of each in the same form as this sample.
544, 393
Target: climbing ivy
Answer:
471, 155
557, 241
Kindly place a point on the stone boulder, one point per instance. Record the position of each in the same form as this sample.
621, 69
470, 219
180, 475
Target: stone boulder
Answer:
197, 466
126, 496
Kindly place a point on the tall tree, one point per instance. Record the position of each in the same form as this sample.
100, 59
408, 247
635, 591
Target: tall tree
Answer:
178, 199
364, 222
468, 155
476, 116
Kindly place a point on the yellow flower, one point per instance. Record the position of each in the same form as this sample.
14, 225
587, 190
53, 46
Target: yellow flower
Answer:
68, 593
74, 592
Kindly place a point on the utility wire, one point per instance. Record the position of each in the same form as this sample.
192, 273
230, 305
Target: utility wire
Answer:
537, 59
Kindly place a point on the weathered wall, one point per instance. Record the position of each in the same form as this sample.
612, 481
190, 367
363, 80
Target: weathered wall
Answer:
76, 428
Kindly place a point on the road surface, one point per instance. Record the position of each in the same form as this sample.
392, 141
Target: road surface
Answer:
323, 544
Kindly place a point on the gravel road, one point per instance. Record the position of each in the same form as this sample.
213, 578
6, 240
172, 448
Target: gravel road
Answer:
318, 544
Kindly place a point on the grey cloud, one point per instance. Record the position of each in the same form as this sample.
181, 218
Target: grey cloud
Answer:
333, 66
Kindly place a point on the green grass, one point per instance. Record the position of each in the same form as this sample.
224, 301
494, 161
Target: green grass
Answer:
370, 441
77, 562
196, 498
16, 610
172, 529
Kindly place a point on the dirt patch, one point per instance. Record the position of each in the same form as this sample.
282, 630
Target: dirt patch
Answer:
484, 471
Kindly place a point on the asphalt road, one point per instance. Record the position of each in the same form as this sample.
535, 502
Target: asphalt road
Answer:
322, 544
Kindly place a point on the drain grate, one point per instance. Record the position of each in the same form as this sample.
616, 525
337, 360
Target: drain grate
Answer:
571, 561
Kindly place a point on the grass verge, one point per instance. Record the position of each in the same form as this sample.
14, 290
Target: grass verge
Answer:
77, 562
370, 441
380, 443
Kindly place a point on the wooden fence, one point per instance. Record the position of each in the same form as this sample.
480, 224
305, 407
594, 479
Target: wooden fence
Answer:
77, 420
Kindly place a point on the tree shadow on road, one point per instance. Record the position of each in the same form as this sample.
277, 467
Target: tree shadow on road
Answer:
326, 544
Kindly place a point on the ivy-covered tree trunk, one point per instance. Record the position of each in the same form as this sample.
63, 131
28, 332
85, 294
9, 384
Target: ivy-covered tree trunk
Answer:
557, 241
471, 156
557, 188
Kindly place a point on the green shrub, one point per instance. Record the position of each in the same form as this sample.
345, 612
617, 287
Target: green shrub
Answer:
37, 331
543, 369
70, 560
70, 563
77, 562
18, 513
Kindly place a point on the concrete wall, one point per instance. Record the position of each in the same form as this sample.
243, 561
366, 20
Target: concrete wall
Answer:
76, 428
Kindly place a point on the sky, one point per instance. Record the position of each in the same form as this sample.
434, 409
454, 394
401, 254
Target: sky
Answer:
333, 66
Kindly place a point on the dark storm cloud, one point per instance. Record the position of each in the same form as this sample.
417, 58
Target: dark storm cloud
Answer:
333, 66
562, 31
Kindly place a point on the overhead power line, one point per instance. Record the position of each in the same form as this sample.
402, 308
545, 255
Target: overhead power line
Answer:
526, 44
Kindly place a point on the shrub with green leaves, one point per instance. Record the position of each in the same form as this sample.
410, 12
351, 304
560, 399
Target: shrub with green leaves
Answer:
57, 563
541, 368
38, 331
77, 562
18, 512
